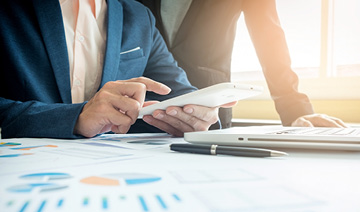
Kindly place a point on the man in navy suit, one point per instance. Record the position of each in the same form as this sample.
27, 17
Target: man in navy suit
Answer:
35, 78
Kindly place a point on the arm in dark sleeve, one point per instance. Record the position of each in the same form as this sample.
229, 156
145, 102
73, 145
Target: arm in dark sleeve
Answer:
37, 119
269, 40
30, 103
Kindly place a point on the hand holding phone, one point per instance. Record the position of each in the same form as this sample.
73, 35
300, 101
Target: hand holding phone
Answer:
212, 96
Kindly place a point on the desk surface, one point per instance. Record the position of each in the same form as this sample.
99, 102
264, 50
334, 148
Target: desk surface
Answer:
138, 172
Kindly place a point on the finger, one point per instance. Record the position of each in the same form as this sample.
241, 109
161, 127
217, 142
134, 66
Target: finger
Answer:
172, 120
133, 90
105, 129
302, 122
152, 85
206, 114
162, 126
114, 109
322, 120
120, 124
120, 129
339, 122
99, 119
117, 118
198, 122
129, 107
124, 104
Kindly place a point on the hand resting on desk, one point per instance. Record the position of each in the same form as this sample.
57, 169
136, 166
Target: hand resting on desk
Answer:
318, 120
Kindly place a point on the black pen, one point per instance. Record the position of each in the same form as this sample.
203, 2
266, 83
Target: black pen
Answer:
226, 150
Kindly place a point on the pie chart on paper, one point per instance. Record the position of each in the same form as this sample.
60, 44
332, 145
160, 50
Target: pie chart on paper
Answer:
43, 184
46, 176
40, 187
119, 179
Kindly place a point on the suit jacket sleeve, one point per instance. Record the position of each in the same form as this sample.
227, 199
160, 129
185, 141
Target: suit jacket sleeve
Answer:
269, 40
38, 119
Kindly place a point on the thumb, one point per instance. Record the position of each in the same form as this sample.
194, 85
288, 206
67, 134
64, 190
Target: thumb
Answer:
147, 103
230, 104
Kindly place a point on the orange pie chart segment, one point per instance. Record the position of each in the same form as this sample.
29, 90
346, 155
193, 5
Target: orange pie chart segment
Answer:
94, 180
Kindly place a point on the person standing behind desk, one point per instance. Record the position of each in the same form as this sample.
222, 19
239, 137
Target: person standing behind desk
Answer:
201, 33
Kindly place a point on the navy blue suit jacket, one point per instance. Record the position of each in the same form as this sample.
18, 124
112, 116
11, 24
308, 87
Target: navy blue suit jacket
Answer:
35, 98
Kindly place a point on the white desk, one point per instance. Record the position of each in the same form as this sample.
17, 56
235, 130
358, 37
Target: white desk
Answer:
128, 173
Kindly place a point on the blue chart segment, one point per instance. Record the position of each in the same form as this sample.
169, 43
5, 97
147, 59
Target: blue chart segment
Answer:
133, 178
104, 203
176, 197
86, 201
14, 155
46, 175
42, 205
143, 203
7, 144
27, 188
163, 202
60, 203
24, 206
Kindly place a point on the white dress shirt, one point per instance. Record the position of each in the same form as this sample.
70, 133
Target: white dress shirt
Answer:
85, 30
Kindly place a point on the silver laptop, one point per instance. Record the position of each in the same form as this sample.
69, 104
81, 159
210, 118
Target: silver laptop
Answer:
281, 137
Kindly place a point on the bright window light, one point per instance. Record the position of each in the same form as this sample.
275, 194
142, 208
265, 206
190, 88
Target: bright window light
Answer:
323, 40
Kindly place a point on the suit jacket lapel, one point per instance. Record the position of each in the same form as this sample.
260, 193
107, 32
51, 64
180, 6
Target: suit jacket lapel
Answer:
113, 41
156, 8
189, 18
52, 30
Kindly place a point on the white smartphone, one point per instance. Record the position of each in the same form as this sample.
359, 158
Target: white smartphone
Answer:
211, 96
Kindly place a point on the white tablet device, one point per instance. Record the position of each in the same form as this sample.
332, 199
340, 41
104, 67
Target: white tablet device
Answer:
212, 96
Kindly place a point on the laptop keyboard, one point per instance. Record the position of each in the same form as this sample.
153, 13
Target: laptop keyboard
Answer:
320, 131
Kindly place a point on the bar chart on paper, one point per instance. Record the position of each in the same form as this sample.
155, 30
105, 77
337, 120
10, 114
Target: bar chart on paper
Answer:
142, 202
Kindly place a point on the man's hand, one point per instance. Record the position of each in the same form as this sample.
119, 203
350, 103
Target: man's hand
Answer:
177, 120
318, 120
116, 106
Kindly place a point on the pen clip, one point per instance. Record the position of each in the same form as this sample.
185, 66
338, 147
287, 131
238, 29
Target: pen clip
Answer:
213, 149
